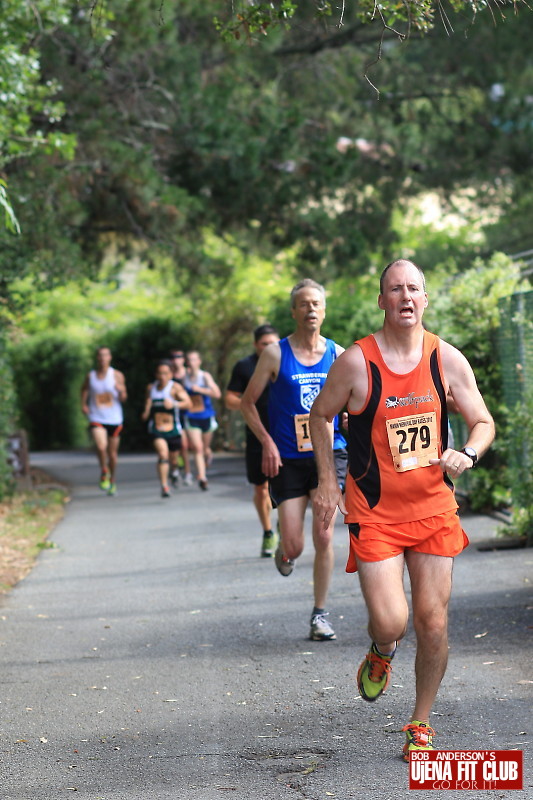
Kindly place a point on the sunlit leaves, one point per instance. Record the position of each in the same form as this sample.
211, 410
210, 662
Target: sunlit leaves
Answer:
11, 220
247, 21
29, 108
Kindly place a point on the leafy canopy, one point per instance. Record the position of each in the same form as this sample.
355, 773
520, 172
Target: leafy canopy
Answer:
245, 20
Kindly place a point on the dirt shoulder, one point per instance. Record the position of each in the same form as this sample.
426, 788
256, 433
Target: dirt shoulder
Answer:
26, 522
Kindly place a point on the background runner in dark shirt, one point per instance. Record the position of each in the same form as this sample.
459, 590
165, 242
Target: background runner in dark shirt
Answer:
242, 372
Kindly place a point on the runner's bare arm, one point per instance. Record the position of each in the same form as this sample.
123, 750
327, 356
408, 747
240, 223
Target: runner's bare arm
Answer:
211, 390
182, 398
147, 403
467, 399
85, 396
232, 400
120, 384
265, 371
214, 387
334, 396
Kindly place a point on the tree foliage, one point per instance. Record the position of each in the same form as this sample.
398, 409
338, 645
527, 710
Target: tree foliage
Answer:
34, 108
8, 414
175, 130
251, 21
31, 107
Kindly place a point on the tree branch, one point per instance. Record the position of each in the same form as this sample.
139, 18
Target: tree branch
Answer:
317, 44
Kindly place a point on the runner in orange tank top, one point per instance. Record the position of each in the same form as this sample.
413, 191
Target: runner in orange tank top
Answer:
400, 504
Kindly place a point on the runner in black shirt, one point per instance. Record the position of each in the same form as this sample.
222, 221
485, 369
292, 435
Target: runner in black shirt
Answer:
242, 372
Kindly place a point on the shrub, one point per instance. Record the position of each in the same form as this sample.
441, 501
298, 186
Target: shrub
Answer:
520, 434
49, 371
7, 418
136, 349
50, 368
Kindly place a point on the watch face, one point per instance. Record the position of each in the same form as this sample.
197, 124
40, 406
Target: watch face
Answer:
469, 451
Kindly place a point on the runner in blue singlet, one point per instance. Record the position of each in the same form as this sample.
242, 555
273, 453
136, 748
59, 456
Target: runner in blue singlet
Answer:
295, 369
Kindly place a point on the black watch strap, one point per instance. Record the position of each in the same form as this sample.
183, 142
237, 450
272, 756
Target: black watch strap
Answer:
471, 453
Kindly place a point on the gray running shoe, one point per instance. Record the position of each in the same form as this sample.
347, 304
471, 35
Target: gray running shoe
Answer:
321, 630
270, 542
285, 565
175, 478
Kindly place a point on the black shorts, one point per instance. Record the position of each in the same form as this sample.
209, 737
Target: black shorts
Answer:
254, 471
174, 442
298, 477
113, 431
204, 424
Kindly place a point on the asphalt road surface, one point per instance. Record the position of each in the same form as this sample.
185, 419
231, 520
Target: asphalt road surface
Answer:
153, 654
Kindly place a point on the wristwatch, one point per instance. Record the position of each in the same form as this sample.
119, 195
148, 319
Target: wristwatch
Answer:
471, 453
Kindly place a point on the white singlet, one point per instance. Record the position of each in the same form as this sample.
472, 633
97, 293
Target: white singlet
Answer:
104, 406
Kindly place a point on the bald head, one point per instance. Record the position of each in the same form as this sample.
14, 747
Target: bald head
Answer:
400, 262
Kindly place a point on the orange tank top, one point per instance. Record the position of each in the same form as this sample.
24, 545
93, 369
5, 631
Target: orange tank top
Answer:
402, 425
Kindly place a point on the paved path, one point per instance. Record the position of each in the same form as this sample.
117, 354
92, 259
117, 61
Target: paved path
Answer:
153, 654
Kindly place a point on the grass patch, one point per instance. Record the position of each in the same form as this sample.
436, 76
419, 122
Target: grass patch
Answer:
26, 521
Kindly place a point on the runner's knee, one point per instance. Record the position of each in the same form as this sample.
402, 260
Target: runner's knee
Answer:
293, 545
431, 622
261, 491
388, 625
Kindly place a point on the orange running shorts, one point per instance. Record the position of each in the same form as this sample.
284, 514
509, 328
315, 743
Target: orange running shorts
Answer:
441, 535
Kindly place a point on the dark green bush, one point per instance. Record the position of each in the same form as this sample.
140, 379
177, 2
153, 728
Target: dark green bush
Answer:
49, 371
7, 418
520, 434
136, 349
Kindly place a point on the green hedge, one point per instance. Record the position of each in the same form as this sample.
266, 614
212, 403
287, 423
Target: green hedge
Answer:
7, 417
136, 349
49, 371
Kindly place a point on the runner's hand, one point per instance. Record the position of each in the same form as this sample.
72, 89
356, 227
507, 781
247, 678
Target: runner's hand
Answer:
453, 462
325, 502
271, 460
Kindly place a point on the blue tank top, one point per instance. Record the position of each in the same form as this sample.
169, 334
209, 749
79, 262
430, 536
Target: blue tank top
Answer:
202, 405
290, 399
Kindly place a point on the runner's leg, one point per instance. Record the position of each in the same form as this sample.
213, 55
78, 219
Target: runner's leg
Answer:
185, 452
196, 445
161, 448
263, 504
207, 437
431, 584
113, 443
100, 438
388, 612
173, 460
324, 560
291, 521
